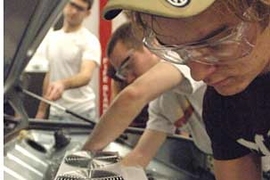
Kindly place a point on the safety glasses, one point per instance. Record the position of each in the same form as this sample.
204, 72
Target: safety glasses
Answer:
124, 69
231, 44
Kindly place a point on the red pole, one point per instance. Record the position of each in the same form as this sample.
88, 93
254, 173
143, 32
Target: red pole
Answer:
105, 28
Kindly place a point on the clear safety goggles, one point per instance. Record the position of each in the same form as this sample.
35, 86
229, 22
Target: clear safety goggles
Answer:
231, 44
125, 67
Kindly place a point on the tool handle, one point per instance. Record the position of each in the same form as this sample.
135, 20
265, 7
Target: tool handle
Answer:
81, 117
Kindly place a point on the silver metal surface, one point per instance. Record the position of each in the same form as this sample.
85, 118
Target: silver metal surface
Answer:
90, 175
22, 161
86, 159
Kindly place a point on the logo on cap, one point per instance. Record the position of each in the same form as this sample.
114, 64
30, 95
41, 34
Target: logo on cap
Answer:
179, 3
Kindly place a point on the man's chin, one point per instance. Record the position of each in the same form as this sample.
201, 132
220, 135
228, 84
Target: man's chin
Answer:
229, 91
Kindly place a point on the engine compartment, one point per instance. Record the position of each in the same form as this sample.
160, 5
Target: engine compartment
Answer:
33, 155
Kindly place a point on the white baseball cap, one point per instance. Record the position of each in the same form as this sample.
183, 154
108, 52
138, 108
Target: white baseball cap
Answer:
165, 8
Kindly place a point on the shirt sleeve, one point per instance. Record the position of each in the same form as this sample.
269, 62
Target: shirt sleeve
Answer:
188, 85
92, 50
163, 112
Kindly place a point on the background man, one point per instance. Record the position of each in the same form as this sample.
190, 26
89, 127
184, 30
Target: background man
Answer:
177, 104
73, 54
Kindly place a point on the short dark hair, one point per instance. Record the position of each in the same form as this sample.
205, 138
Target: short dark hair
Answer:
89, 2
124, 34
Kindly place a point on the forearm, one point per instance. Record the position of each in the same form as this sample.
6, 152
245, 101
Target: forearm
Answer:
145, 149
82, 78
76, 81
115, 120
130, 102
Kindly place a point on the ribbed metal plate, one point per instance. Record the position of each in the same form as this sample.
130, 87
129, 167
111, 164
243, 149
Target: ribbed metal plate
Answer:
86, 159
90, 175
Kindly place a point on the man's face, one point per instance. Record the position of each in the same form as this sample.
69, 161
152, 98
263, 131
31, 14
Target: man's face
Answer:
231, 76
130, 63
75, 11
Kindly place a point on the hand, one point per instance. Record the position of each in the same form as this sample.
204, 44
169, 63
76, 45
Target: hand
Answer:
55, 90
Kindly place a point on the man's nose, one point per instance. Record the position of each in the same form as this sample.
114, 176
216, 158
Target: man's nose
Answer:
200, 71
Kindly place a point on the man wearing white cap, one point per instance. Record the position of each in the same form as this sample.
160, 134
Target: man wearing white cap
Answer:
226, 45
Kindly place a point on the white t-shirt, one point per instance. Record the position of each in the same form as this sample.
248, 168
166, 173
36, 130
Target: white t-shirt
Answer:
65, 52
165, 110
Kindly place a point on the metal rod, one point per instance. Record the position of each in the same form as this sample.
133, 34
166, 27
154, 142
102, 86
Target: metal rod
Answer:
43, 99
58, 106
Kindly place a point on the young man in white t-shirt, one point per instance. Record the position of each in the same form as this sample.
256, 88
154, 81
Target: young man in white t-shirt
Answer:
73, 54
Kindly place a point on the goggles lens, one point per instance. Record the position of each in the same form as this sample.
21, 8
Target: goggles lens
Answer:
231, 44
125, 68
